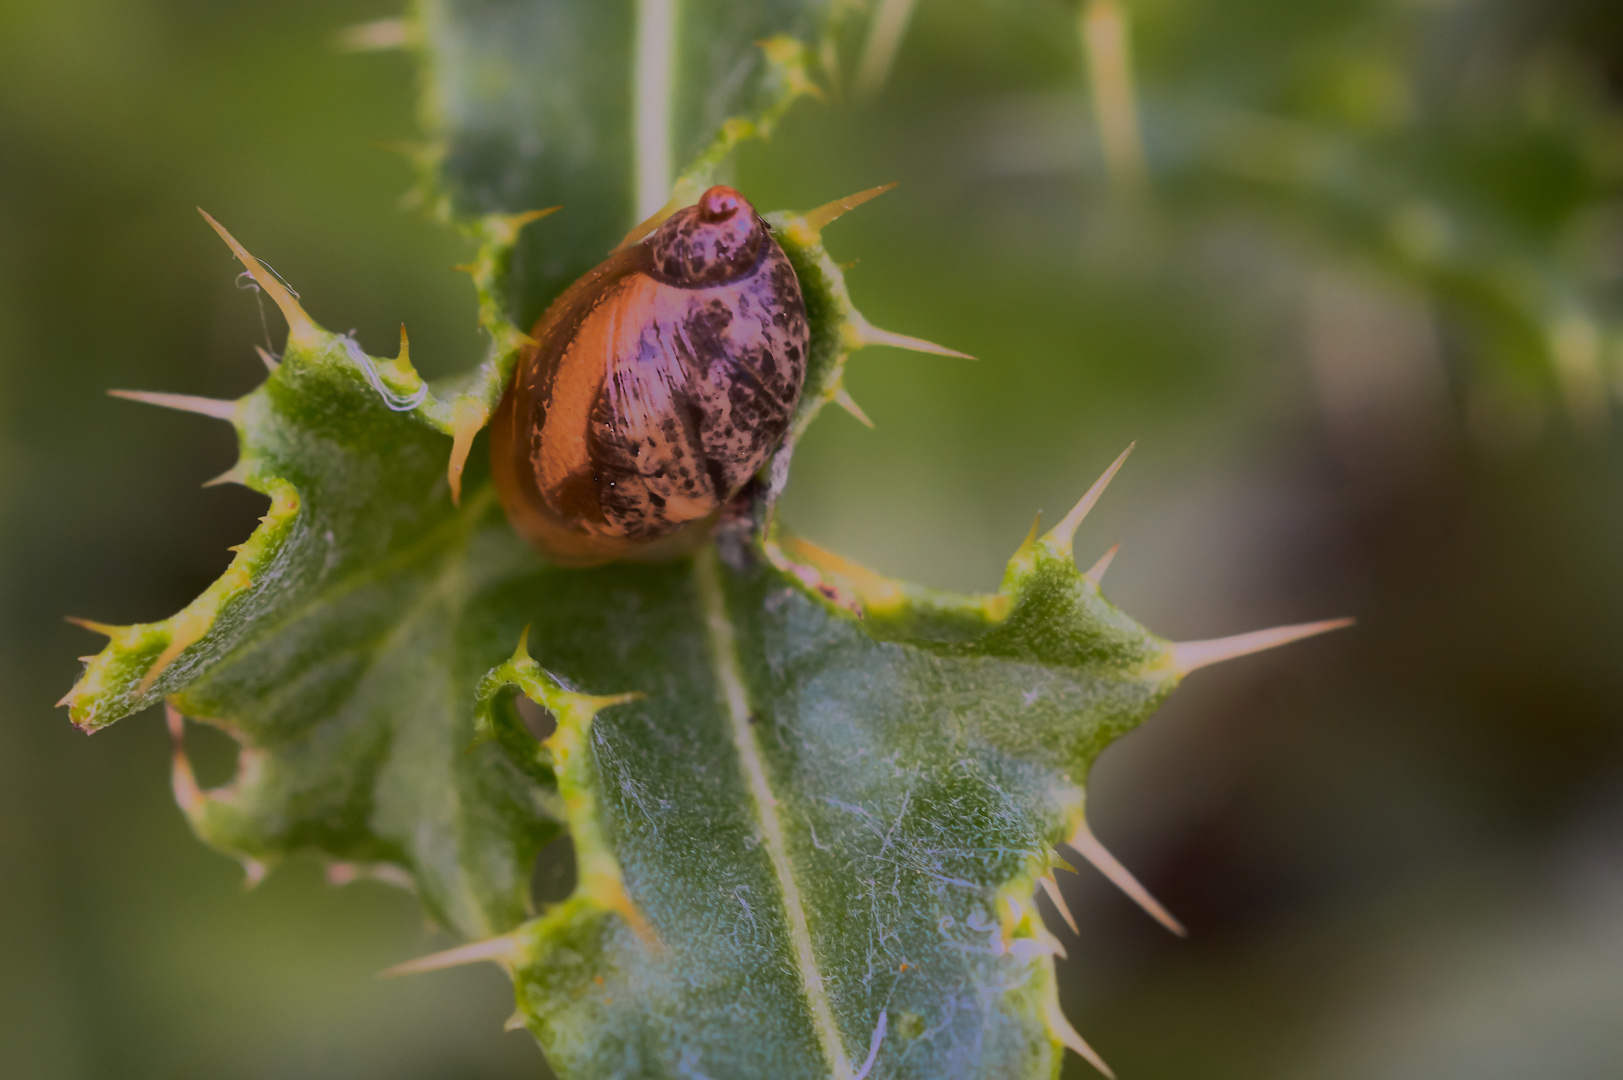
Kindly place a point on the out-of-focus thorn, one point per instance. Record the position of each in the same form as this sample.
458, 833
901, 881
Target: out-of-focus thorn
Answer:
299, 324
1096, 572
253, 873
340, 874
1061, 536
884, 39
866, 333
1051, 887
104, 629
270, 362
1578, 349
502, 950
817, 220
1058, 862
1062, 1030
514, 1022
1085, 844
203, 406
508, 226
1187, 656
828, 58
1105, 40
379, 35
469, 417
843, 398
182, 781
234, 475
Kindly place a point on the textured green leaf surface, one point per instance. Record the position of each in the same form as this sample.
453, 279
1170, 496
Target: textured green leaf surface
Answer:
810, 806
533, 103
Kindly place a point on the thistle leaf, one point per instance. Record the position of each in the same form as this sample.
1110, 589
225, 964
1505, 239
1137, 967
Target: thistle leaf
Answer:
810, 805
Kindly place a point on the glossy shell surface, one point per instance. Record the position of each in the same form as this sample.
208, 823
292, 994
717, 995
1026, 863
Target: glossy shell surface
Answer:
660, 383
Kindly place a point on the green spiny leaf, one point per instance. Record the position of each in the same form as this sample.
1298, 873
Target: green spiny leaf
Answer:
811, 815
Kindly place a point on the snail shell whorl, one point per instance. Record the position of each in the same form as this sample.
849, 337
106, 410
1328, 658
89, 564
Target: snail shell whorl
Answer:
660, 383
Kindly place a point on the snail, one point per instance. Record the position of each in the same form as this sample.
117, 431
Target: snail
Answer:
657, 386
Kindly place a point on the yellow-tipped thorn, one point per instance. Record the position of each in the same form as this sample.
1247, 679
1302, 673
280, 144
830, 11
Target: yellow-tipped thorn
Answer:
1061, 535
1096, 572
270, 362
843, 398
405, 348
502, 950
380, 35
1051, 887
203, 406
645, 228
875, 591
1063, 1031
1188, 656
869, 334
820, 218
1030, 541
182, 781
299, 324
104, 629
518, 221
469, 417
1085, 844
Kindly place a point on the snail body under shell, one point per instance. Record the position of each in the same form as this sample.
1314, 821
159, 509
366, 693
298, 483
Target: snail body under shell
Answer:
659, 384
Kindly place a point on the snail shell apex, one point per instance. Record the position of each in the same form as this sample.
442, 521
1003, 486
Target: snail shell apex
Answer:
659, 384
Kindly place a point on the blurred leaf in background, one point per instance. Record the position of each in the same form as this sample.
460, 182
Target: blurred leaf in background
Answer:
1358, 301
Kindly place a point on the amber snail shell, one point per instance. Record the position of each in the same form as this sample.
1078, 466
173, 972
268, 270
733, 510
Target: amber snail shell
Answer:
658, 385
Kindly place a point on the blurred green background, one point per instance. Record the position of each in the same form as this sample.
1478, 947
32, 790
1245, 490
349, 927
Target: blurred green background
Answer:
1359, 311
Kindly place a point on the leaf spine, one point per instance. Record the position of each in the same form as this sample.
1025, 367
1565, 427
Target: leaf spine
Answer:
820, 218
1051, 886
1085, 844
1061, 536
504, 950
299, 324
202, 406
865, 333
1190, 656
1096, 572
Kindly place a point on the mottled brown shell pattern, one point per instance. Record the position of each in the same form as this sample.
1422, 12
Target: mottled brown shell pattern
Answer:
660, 383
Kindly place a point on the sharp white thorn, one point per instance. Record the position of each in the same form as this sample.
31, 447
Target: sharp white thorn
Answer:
203, 406
1085, 844
1062, 1029
869, 334
1051, 887
265, 357
1096, 572
1061, 535
843, 398
1188, 656
504, 949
